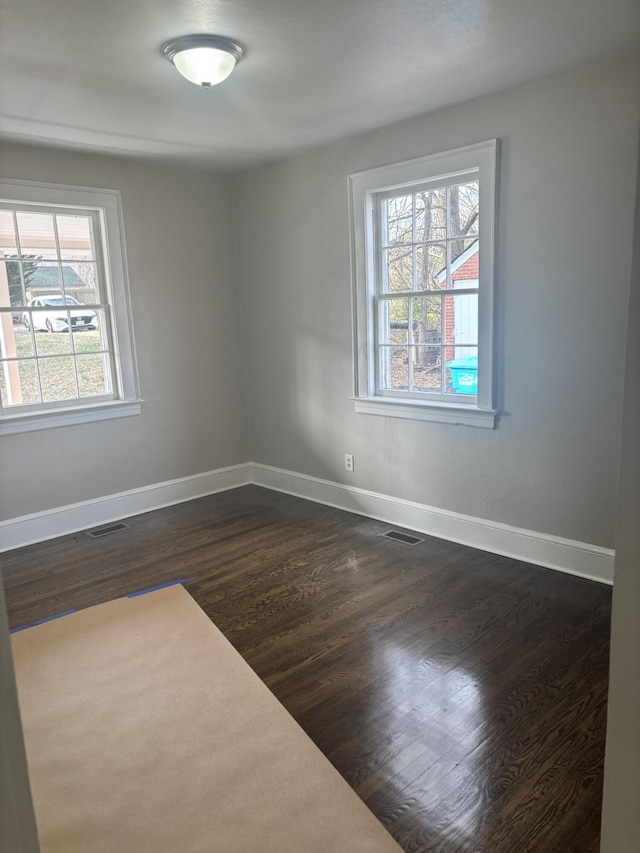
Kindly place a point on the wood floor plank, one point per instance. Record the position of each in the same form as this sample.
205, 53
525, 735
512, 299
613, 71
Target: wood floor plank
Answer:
461, 694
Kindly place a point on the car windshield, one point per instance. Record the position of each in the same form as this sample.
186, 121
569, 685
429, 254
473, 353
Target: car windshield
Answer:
68, 300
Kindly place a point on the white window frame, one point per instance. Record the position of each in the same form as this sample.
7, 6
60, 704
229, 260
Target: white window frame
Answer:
126, 400
365, 188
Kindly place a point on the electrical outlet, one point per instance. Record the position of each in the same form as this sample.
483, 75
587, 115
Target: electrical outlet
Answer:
348, 462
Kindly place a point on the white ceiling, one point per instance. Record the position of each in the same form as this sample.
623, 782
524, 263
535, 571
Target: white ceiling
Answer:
90, 73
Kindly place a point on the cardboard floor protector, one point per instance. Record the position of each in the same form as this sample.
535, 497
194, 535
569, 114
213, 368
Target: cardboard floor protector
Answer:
146, 732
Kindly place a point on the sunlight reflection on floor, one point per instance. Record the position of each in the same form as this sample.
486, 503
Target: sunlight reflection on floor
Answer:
450, 698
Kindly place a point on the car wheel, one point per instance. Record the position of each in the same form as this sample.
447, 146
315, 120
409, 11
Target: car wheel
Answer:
26, 323
49, 325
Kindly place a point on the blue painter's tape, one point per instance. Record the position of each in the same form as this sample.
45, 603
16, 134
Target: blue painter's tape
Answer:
160, 586
41, 621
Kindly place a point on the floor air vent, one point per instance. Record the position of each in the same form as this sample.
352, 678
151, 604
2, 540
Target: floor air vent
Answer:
104, 531
402, 537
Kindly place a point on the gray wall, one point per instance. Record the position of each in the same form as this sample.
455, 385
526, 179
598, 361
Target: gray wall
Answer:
185, 315
621, 808
566, 219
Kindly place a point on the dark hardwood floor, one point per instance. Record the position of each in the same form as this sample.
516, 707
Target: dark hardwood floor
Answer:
461, 694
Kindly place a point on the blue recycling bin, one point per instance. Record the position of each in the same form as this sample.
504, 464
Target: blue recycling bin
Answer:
464, 374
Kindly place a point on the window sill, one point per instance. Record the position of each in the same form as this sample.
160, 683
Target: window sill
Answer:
10, 424
438, 412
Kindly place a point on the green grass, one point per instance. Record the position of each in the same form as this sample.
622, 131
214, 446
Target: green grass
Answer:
56, 364
56, 343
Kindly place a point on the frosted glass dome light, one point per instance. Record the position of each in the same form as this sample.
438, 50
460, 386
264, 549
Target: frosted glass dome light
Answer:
204, 60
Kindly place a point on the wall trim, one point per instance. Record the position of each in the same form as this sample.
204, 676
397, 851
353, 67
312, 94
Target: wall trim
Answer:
541, 549
40, 526
553, 552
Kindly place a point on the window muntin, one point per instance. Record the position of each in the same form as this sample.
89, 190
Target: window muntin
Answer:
74, 361
423, 234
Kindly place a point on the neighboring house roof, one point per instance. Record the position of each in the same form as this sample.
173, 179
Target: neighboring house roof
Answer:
459, 261
48, 278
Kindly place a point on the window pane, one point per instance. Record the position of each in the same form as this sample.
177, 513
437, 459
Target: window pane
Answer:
82, 317
464, 352
80, 281
427, 319
11, 289
75, 237
464, 209
399, 218
394, 368
36, 233
93, 375
42, 278
57, 342
88, 339
19, 383
29, 265
397, 270
461, 319
8, 244
22, 342
431, 267
462, 370
8, 348
427, 373
394, 321
57, 376
50, 314
431, 215
465, 257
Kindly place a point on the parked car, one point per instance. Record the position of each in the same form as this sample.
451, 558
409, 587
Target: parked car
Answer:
51, 315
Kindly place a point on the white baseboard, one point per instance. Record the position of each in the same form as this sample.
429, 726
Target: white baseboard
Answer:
39, 526
554, 552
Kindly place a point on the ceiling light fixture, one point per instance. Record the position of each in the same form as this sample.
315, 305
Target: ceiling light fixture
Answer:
203, 59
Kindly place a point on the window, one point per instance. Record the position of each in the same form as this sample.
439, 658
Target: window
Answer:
66, 343
423, 235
